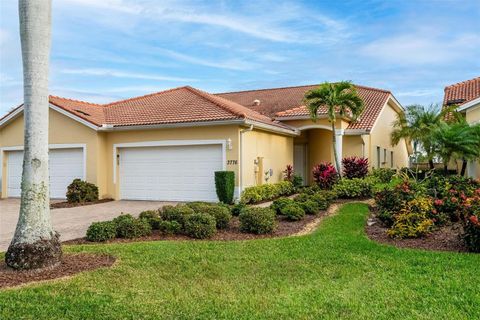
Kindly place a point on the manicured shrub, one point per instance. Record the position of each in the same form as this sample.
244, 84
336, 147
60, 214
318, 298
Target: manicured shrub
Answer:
288, 173
354, 167
169, 227
297, 181
257, 220
266, 192
280, 203
225, 186
198, 206
321, 201
101, 231
302, 197
414, 220
293, 212
309, 207
152, 217
129, 227
80, 191
325, 175
237, 208
383, 175
221, 214
176, 213
353, 188
311, 190
200, 225
472, 233
330, 195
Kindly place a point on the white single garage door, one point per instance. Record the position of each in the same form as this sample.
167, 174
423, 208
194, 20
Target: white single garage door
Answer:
170, 173
65, 165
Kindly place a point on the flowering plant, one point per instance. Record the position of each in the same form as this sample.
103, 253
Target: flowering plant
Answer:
325, 175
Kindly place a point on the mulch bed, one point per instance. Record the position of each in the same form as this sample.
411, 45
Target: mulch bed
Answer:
71, 264
65, 204
284, 228
446, 238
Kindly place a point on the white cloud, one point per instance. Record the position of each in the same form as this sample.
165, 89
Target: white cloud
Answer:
122, 74
422, 48
419, 93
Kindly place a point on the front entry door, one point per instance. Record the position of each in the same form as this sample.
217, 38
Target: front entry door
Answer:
300, 161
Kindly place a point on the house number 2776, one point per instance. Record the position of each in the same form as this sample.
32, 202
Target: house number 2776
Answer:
230, 162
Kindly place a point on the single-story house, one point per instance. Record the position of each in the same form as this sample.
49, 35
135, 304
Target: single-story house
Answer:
466, 95
167, 145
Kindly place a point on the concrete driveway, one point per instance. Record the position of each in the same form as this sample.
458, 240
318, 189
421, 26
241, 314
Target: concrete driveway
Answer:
71, 223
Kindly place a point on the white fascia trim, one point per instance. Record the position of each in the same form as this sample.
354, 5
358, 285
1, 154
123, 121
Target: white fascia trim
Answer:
74, 117
171, 125
293, 132
315, 126
50, 146
356, 132
469, 104
396, 102
17, 112
167, 143
11, 116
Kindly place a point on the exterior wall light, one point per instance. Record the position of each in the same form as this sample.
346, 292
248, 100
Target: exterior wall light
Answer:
229, 144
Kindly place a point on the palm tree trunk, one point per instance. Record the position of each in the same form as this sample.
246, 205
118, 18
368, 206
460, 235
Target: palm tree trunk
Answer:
464, 167
445, 168
430, 164
35, 244
334, 141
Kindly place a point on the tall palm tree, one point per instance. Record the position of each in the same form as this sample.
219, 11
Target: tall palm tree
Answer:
417, 125
340, 98
456, 141
35, 244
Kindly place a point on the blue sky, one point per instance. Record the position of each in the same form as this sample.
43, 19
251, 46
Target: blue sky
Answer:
112, 49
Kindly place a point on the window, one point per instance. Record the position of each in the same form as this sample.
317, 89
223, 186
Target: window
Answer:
391, 159
378, 157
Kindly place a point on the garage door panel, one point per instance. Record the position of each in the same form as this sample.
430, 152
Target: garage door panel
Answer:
175, 173
64, 165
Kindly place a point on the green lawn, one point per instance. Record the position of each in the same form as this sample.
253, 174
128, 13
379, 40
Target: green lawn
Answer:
334, 273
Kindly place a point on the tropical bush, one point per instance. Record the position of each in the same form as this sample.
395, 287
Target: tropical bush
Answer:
354, 167
225, 185
288, 173
237, 208
383, 175
297, 181
101, 231
169, 227
309, 206
80, 191
222, 215
266, 192
152, 217
257, 220
200, 225
293, 212
280, 203
322, 200
414, 220
353, 188
128, 227
176, 213
325, 175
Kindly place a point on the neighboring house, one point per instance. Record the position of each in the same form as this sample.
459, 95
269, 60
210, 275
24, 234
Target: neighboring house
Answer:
167, 145
466, 95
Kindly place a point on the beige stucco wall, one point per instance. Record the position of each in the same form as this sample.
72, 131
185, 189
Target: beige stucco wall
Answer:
270, 151
62, 130
472, 115
380, 136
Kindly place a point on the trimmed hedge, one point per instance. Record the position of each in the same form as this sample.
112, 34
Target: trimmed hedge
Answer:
101, 231
280, 203
309, 207
267, 192
176, 213
293, 212
152, 217
200, 225
80, 191
353, 188
257, 220
128, 227
169, 227
225, 186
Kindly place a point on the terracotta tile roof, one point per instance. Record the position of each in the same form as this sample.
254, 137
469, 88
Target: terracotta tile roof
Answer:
287, 102
462, 92
179, 105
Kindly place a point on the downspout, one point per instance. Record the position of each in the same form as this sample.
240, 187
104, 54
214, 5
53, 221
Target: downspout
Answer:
240, 168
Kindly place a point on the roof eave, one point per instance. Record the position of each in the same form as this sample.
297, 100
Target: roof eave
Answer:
469, 104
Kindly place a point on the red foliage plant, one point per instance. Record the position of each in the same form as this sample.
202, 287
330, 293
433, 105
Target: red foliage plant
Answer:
288, 173
355, 167
325, 175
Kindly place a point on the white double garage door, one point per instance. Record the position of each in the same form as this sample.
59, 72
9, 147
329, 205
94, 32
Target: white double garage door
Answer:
161, 173
64, 165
